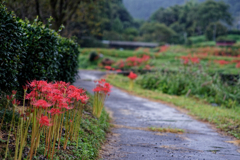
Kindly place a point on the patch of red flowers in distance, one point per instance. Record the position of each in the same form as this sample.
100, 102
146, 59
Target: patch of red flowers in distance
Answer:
135, 61
132, 75
185, 60
221, 62
118, 70
194, 60
163, 48
108, 67
238, 65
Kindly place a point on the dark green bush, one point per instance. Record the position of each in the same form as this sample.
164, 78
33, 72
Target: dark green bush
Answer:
68, 60
11, 49
33, 51
235, 32
41, 59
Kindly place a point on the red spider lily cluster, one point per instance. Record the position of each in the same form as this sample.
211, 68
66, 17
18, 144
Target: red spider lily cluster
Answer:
135, 61
221, 62
187, 59
100, 93
238, 65
108, 67
52, 107
102, 86
163, 48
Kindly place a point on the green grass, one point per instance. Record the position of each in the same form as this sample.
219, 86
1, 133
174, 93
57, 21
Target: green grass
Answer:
226, 120
169, 60
166, 130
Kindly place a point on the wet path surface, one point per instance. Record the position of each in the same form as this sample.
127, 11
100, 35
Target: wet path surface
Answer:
129, 140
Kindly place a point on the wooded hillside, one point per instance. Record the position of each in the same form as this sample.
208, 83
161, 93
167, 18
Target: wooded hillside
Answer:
142, 9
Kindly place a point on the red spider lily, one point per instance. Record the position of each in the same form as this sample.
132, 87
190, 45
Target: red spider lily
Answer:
32, 95
15, 102
113, 69
9, 97
163, 48
194, 60
44, 121
145, 58
185, 60
14, 92
148, 67
132, 75
121, 64
101, 81
42, 103
118, 70
108, 67
222, 62
97, 89
238, 65
25, 87
84, 99
102, 86
55, 111
71, 87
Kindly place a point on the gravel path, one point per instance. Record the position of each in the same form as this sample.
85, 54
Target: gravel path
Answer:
130, 140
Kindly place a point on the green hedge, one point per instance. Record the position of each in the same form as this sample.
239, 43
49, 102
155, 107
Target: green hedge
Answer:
33, 51
11, 49
68, 60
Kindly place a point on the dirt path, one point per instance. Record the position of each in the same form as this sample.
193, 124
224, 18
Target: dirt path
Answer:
131, 140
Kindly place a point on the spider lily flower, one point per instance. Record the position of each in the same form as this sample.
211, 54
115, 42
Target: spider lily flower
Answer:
132, 76
41, 103
14, 92
55, 111
44, 121
108, 67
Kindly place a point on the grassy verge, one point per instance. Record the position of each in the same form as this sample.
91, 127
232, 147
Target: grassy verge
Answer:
91, 136
227, 120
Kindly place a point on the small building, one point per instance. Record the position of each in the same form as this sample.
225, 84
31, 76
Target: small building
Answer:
128, 44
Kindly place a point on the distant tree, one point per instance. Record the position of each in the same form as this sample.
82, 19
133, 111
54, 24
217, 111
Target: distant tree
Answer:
156, 32
117, 25
211, 11
167, 16
215, 30
193, 18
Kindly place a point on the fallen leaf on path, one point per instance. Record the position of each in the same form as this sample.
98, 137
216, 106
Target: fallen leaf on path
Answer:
236, 142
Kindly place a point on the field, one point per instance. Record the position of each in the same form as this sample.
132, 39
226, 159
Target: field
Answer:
209, 59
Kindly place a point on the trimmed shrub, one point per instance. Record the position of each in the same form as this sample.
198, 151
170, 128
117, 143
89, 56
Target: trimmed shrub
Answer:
41, 59
33, 52
11, 49
68, 60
